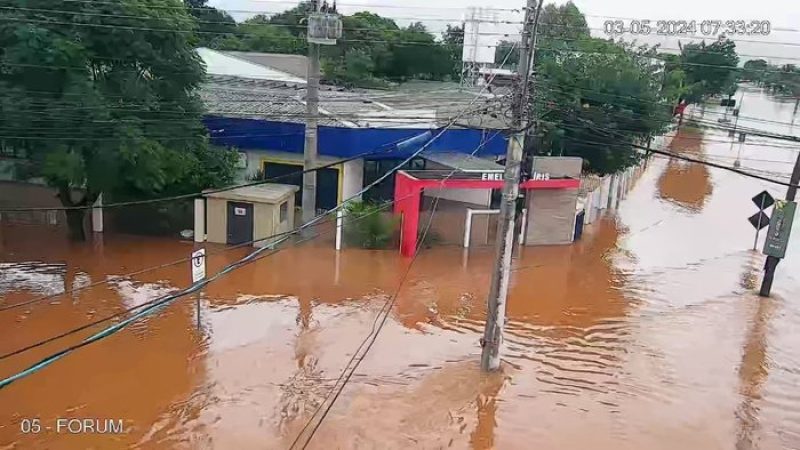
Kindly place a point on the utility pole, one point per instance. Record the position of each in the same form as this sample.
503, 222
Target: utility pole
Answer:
310, 149
772, 262
498, 290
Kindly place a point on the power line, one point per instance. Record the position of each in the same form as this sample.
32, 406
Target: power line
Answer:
302, 26
714, 125
682, 157
183, 260
148, 308
127, 27
386, 306
206, 192
544, 82
158, 299
377, 326
166, 30
399, 30
247, 24
621, 51
163, 302
715, 165
289, 14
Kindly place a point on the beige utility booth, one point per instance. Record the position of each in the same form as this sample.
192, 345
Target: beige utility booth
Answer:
250, 213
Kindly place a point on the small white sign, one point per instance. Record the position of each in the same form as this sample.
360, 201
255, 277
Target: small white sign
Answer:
240, 211
198, 265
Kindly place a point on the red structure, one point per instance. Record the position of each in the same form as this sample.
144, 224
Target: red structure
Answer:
409, 185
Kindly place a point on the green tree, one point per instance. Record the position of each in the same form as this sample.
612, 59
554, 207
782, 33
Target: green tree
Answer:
755, 70
502, 50
416, 54
293, 20
562, 23
259, 34
213, 25
366, 227
594, 97
453, 41
711, 69
99, 109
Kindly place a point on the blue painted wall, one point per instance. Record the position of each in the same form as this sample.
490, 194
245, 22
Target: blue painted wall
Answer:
346, 142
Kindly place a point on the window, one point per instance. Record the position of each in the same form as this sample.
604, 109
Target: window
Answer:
284, 212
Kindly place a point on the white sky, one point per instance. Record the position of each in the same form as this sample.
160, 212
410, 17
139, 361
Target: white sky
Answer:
783, 14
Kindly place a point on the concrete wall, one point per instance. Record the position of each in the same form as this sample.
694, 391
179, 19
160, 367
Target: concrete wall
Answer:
551, 213
217, 220
351, 172
16, 193
353, 178
264, 217
266, 220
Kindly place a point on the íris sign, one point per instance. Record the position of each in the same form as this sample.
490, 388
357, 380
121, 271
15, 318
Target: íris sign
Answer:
498, 176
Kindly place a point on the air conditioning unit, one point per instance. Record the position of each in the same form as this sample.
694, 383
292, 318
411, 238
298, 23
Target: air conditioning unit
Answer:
324, 28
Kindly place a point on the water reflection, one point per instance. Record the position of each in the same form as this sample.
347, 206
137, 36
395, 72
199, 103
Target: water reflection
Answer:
754, 368
683, 183
645, 334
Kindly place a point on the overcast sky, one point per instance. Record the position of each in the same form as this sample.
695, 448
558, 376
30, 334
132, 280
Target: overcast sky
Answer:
783, 15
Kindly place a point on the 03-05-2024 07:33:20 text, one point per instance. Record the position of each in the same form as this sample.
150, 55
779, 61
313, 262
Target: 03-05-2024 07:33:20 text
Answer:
688, 27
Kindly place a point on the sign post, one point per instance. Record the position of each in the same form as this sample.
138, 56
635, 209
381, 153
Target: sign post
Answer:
198, 262
780, 229
760, 220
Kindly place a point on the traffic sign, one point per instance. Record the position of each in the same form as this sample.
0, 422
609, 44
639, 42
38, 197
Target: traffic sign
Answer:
763, 200
198, 265
759, 220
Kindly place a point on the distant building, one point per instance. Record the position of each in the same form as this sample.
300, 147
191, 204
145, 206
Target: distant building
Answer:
255, 103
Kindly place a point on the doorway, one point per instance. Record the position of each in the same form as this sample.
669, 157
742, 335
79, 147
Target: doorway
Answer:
240, 222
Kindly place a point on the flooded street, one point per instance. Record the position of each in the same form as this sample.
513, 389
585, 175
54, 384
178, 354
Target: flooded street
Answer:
646, 334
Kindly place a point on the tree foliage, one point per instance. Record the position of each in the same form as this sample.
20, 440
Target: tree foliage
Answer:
711, 69
453, 41
213, 25
782, 79
507, 51
594, 98
366, 227
107, 109
373, 48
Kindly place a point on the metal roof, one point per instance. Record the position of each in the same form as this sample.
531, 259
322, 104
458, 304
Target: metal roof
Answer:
219, 63
257, 99
296, 65
247, 85
463, 162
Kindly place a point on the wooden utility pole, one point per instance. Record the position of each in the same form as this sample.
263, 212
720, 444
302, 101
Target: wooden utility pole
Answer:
498, 290
310, 149
772, 261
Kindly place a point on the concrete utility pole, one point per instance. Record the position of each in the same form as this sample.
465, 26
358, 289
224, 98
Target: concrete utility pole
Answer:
498, 290
310, 149
772, 262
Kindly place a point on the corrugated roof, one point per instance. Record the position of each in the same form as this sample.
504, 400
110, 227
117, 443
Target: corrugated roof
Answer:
463, 162
219, 63
257, 99
236, 86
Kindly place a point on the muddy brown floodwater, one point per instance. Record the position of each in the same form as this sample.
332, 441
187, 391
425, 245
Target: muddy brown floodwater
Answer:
647, 334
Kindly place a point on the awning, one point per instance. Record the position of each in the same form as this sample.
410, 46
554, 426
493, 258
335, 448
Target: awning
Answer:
463, 162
